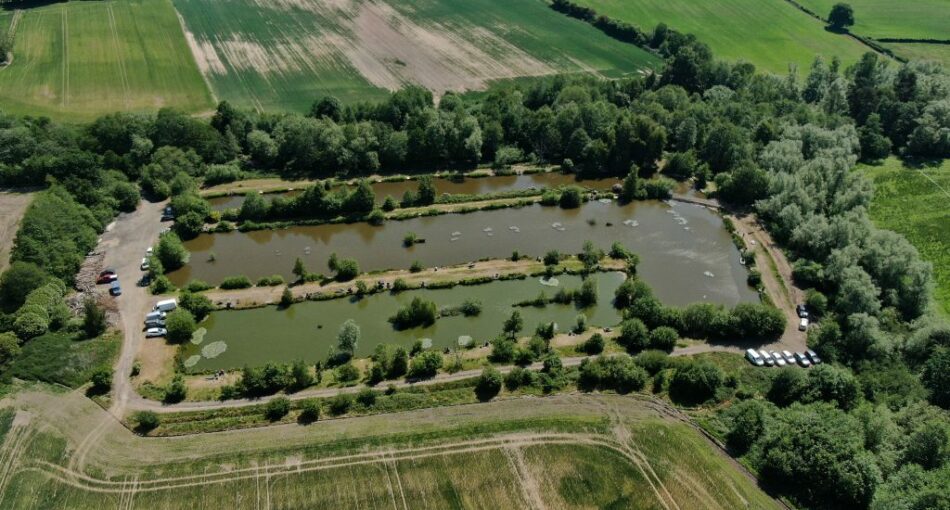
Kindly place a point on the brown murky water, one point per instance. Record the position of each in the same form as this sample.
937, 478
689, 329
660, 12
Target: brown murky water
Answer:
469, 186
686, 254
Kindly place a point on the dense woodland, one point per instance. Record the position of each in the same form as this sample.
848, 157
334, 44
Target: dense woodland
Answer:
869, 429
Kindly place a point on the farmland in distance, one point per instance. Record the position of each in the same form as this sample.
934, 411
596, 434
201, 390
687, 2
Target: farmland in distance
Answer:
768, 33
75, 61
282, 55
920, 19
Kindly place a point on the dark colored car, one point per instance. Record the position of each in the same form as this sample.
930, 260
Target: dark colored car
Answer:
115, 290
802, 311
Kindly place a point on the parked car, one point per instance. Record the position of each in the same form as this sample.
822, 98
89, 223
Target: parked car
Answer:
148, 251
802, 360
803, 324
166, 305
107, 278
769, 360
754, 357
155, 323
813, 356
789, 357
155, 315
144, 265
802, 311
115, 289
106, 271
154, 332
779, 360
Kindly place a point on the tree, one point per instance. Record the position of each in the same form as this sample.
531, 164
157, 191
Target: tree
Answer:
176, 391
586, 296
633, 335
94, 319
631, 189
427, 192
171, 252
788, 386
18, 281
329, 107
286, 298
101, 381
841, 16
199, 305
346, 270
696, 382
936, 377
419, 312
348, 337
590, 256
513, 324
180, 324
299, 270
571, 197
277, 408
300, 376
929, 445
9, 348
488, 384
748, 424
425, 365
833, 384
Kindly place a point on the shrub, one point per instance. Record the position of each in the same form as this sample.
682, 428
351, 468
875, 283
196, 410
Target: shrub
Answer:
197, 286
145, 421
277, 408
653, 361
418, 312
271, 281
30, 325
663, 338
488, 384
416, 267
399, 285
346, 270
94, 319
552, 258
199, 306
594, 344
425, 365
341, 403
696, 382
633, 335
571, 198
176, 391
366, 397
347, 372
309, 411
236, 282
618, 373
101, 381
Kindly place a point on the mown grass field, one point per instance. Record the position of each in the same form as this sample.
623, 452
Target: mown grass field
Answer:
920, 51
768, 33
920, 19
559, 452
913, 202
77, 60
283, 55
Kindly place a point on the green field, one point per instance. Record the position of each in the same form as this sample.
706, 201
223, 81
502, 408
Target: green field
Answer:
919, 19
61, 451
768, 33
920, 51
74, 61
283, 55
913, 202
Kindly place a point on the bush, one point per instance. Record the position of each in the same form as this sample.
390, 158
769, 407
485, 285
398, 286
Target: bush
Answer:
346, 270
341, 403
180, 324
145, 421
347, 372
633, 335
618, 373
663, 338
488, 384
309, 411
30, 325
416, 267
271, 281
366, 397
399, 285
236, 282
571, 197
696, 382
94, 319
176, 391
277, 408
552, 258
418, 312
199, 306
425, 365
161, 285
653, 361
101, 381
198, 286
593, 345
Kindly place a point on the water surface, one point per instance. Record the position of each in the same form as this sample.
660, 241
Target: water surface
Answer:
686, 254
308, 330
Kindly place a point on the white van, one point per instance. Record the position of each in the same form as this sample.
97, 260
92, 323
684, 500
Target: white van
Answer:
754, 357
166, 305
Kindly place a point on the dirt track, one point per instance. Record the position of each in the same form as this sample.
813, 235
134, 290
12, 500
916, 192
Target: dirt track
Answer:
12, 206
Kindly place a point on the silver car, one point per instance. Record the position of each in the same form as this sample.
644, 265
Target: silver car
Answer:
779, 360
789, 357
802, 359
155, 332
769, 360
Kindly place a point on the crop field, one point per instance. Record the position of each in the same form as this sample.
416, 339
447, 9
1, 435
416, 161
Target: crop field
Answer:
913, 203
77, 60
920, 19
12, 207
61, 451
285, 54
768, 33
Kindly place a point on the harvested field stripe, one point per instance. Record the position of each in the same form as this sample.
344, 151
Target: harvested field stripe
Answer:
118, 56
65, 58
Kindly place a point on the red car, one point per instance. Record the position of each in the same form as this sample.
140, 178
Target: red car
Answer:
107, 278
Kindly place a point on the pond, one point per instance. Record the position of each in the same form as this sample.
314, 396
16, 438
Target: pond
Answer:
686, 255
308, 330
469, 186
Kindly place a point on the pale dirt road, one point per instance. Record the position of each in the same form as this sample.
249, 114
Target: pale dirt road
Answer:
124, 245
12, 206
785, 295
